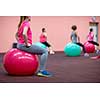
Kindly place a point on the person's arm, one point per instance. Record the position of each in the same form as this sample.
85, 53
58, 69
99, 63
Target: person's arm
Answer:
25, 36
71, 37
93, 35
16, 36
78, 37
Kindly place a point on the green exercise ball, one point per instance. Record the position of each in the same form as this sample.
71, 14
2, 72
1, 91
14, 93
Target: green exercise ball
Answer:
40, 45
72, 49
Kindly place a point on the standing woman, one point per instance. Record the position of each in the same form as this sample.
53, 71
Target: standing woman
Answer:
24, 38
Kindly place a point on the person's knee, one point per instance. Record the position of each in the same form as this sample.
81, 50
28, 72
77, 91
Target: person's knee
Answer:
46, 51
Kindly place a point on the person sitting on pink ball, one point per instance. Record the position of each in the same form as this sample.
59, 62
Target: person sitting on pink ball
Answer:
90, 38
24, 39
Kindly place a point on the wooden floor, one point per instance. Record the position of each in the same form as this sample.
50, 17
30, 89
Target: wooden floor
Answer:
65, 69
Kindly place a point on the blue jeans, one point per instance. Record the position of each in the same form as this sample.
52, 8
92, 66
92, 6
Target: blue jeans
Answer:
36, 50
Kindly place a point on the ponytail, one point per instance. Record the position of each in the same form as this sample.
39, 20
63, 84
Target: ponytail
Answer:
22, 18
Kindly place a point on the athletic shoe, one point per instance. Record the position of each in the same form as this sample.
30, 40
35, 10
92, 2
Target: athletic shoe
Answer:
96, 57
52, 52
44, 73
86, 55
97, 51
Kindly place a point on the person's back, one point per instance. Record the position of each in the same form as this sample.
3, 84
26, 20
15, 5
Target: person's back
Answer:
74, 37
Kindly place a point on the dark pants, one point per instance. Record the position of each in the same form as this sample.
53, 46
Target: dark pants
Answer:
80, 44
46, 44
14, 45
93, 42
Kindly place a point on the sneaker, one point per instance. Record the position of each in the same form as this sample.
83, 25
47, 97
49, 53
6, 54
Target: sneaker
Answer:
96, 57
44, 73
97, 51
52, 52
86, 55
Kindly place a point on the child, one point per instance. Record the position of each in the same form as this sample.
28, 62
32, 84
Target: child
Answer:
24, 39
76, 39
90, 39
43, 40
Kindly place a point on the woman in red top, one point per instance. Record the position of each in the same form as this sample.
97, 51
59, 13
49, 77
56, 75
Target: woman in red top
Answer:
24, 38
90, 39
43, 40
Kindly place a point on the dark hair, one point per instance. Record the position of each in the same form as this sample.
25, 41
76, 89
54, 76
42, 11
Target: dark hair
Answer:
74, 27
22, 18
43, 29
91, 29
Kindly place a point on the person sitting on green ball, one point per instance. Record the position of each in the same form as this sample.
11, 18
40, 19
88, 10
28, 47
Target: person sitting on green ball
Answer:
76, 39
43, 40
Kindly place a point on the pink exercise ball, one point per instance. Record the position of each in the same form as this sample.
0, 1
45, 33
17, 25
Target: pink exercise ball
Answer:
89, 47
17, 62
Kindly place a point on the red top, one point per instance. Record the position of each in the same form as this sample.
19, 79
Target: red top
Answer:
20, 32
43, 38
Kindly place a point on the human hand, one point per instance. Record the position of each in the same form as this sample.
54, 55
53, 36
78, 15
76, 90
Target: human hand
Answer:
28, 45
